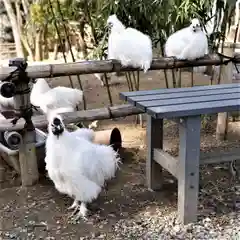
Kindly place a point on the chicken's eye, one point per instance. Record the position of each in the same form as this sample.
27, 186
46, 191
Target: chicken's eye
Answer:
56, 121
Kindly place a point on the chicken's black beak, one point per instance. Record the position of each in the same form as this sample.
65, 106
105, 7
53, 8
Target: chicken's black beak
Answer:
57, 127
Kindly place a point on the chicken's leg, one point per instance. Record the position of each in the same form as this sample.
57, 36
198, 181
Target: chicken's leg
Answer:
82, 212
74, 205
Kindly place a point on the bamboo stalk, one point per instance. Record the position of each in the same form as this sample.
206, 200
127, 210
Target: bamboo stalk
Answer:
70, 49
59, 38
108, 89
192, 77
180, 78
173, 78
128, 74
128, 82
75, 117
138, 80
135, 81
164, 71
102, 66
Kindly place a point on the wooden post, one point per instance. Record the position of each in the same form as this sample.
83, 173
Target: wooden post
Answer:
27, 149
154, 140
188, 168
226, 77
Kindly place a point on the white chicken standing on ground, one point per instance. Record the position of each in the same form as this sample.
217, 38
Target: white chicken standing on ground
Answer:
60, 99
77, 166
128, 45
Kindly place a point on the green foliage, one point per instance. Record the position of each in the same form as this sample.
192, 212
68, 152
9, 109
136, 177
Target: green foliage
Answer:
157, 18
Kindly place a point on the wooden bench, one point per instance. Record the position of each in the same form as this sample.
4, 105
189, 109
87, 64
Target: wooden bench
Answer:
187, 105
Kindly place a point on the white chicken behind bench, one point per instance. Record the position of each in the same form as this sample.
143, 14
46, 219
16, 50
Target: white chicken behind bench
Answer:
77, 166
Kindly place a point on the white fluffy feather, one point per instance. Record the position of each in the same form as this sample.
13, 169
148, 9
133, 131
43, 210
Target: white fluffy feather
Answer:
61, 99
128, 45
77, 166
188, 43
85, 133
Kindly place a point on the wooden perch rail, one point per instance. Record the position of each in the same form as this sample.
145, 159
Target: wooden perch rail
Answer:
74, 117
103, 66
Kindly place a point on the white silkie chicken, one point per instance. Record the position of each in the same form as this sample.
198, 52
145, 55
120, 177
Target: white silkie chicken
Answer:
85, 133
60, 99
77, 166
188, 44
128, 45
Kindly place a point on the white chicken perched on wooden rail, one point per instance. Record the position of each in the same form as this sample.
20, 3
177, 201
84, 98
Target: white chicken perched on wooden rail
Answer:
188, 43
77, 166
128, 45
60, 99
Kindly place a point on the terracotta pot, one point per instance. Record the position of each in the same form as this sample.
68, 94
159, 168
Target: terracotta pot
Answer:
109, 137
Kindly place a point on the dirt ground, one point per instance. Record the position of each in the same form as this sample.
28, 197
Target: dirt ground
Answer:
40, 212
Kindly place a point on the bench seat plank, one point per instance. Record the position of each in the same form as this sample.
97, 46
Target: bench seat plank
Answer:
201, 99
125, 95
176, 96
191, 109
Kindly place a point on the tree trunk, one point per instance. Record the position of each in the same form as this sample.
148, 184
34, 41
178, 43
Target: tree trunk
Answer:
28, 48
18, 15
45, 42
55, 51
89, 19
83, 46
38, 46
26, 6
15, 28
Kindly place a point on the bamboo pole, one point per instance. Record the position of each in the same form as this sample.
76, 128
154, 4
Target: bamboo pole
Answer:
75, 117
27, 148
103, 66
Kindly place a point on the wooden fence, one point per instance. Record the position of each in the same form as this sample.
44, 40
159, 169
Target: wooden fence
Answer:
89, 67
104, 66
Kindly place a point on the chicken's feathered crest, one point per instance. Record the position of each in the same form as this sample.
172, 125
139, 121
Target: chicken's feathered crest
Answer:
115, 24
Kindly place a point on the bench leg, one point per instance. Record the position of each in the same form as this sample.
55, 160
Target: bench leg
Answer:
154, 140
188, 172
